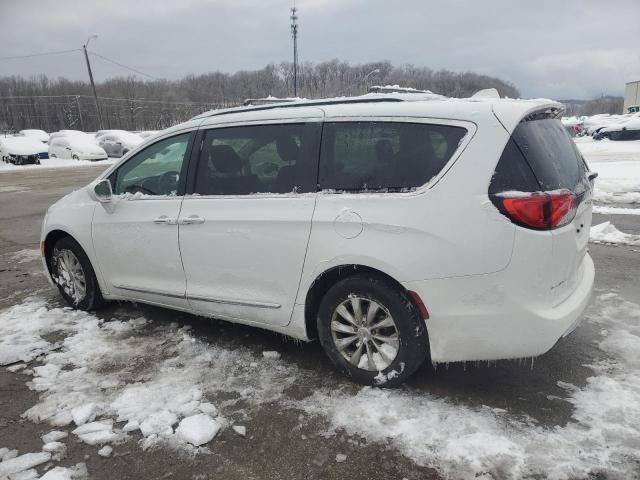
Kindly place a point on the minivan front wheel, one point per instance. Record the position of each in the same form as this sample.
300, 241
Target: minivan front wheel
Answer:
371, 330
73, 274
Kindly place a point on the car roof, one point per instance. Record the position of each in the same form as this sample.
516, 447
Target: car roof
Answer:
509, 111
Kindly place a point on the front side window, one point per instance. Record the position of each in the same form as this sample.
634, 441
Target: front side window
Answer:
258, 159
370, 156
155, 170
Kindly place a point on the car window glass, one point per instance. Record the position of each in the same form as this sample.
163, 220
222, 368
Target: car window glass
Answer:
155, 170
365, 156
552, 155
258, 159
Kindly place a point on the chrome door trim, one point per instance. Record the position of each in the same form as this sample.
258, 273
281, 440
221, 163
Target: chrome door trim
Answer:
231, 301
152, 292
226, 301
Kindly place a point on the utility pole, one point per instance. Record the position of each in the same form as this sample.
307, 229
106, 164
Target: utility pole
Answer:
93, 85
294, 33
79, 112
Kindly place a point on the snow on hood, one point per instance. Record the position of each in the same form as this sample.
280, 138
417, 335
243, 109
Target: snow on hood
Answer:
21, 145
40, 135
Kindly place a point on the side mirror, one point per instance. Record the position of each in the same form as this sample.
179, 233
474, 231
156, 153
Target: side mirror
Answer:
103, 192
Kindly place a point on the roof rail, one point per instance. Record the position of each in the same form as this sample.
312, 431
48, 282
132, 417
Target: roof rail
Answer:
305, 103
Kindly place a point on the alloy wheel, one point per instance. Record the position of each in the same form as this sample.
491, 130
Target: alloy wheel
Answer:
70, 275
365, 333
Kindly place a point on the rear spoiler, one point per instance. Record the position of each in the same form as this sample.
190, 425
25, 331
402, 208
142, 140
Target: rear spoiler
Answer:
511, 112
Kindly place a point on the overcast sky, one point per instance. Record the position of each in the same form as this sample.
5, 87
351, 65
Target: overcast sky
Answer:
553, 48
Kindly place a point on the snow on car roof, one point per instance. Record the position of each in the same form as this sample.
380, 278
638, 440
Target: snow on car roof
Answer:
22, 145
391, 104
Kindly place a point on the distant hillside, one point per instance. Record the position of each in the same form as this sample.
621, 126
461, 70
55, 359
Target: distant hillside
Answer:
606, 104
130, 103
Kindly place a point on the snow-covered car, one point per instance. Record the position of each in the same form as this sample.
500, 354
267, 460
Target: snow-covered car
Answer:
147, 133
21, 150
118, 143
627, 129
69, 133
391, 229
573, 125
37, 134
76, 147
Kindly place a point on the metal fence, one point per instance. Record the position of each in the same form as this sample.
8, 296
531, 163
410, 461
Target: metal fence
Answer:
78, 112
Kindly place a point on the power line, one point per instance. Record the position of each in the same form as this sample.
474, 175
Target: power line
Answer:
123, 66
137, 100
15, 57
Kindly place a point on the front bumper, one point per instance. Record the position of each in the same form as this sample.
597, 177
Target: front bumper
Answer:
481, 317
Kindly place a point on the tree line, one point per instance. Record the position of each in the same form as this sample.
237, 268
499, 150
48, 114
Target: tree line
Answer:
134, 104
598, 105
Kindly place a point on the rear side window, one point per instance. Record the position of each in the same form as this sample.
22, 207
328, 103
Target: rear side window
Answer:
258, 159
366, 156
551, 155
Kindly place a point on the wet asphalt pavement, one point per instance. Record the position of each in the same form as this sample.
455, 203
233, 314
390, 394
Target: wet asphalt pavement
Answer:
280, 445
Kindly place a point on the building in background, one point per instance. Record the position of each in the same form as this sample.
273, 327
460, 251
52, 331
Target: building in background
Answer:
632, 97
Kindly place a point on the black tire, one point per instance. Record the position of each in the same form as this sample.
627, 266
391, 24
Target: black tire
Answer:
75, 157
91, 298
413, 341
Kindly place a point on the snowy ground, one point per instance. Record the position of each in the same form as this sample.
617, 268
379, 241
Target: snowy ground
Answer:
618, 167
55, 163
106, 380
128, 382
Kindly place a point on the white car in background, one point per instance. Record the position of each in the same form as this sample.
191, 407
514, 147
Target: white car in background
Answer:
75, 147
40, 135
118, 142
21, 150
392, 229
147, 133
69, 133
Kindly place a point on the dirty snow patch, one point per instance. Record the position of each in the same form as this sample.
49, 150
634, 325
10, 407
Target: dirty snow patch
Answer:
26, 255
607, 233
147, 375
468, 443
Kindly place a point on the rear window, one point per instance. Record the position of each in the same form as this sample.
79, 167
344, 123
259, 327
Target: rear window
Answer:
551, 154
370, 156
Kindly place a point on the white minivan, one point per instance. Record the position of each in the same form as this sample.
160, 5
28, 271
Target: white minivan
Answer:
391, 228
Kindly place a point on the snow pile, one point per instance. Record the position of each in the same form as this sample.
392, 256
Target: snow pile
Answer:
618, 167
468, 443
197, 429
21, 330
24, 462
97, 433
113, 377
78, 472
57, 163
607, 233
616, 210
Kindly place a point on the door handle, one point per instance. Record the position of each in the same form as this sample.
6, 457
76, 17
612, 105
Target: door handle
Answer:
191, 220
164, 220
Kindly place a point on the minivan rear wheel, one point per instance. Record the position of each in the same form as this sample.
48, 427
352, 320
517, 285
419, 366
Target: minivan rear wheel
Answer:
72, 272
371, 330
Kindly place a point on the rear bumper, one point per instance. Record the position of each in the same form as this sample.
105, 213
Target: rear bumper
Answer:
491, 317
92, 157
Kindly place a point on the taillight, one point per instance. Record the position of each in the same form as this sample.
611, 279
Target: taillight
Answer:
539, 210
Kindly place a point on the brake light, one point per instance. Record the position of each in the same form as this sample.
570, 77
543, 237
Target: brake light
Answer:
540, 210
